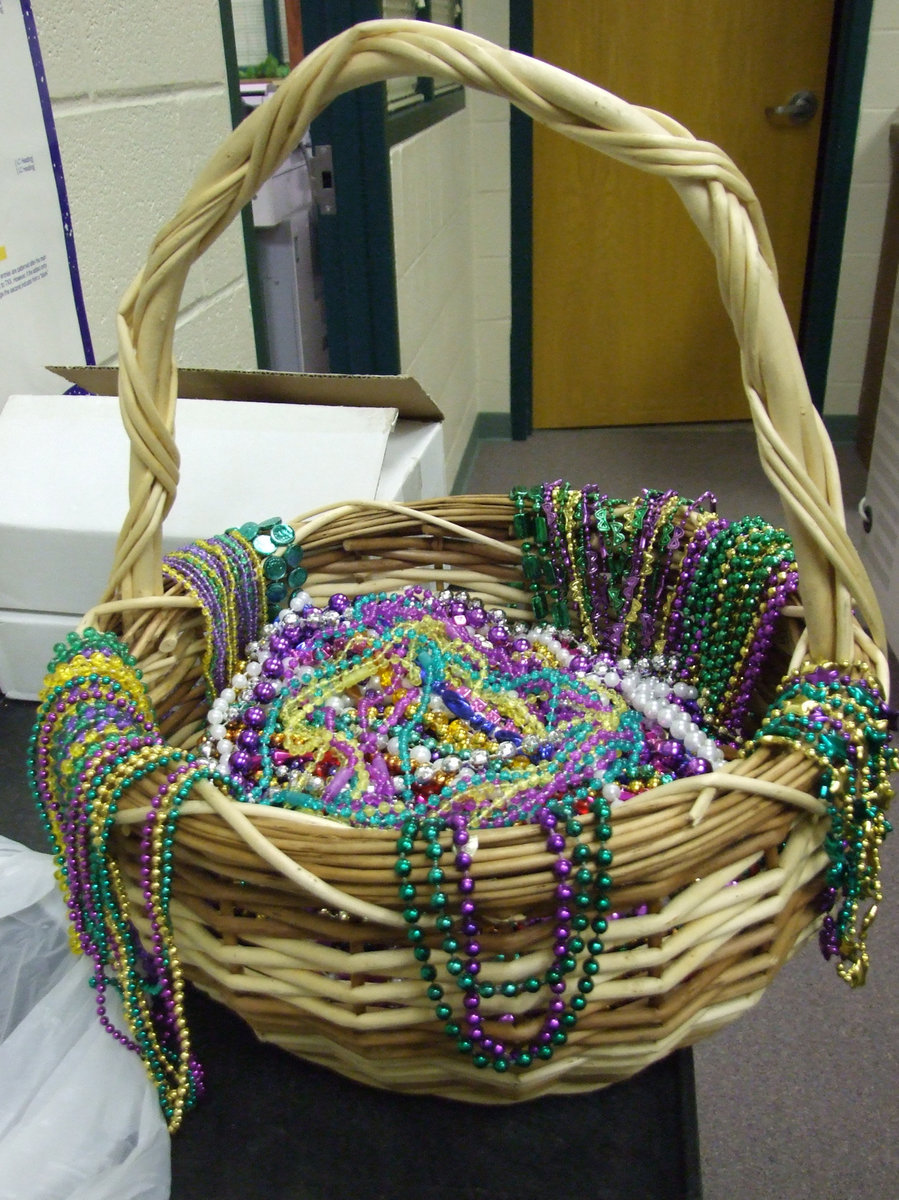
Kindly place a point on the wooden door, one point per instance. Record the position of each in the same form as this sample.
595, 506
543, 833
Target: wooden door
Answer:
628, 327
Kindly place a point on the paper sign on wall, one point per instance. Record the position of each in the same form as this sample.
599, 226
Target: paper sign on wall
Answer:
42, 316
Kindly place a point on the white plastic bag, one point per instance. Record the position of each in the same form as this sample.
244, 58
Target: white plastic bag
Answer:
79, 1118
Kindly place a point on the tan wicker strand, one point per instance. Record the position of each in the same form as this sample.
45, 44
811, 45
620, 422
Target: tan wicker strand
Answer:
625, 961
234, 815
829, 529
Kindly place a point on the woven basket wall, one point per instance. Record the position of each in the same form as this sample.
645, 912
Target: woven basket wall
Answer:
294, 921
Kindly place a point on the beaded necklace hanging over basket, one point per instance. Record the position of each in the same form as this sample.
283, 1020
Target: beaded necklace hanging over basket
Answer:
486, 796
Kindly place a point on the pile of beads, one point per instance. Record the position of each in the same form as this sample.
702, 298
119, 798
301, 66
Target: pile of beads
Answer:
661, 574
837, 716
96, 736
418, 704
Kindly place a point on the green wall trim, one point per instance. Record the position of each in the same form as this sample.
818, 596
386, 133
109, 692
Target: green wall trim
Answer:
273, 29
493, 426
842, 428
852, 24
418, 117
521, 156
488, 427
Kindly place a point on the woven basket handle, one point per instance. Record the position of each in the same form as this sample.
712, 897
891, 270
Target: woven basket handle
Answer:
794, 448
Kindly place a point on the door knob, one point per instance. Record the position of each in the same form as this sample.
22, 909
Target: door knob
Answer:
798, 110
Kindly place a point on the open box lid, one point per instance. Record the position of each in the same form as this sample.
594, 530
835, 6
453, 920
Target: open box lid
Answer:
401, 392
251, 444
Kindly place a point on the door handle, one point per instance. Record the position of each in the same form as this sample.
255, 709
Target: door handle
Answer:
798, 110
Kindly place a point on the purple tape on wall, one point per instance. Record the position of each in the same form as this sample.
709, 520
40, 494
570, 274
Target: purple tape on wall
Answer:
56, 159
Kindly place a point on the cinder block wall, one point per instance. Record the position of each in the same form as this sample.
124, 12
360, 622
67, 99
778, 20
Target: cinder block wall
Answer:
430, 177
490, 197
140, 101
450, 193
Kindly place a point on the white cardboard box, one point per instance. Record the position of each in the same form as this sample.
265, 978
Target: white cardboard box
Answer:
312, 440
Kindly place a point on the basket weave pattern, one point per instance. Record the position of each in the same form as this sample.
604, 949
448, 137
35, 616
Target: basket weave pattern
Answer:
292, 920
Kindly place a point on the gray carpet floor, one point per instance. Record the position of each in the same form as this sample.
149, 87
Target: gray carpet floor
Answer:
797, 1098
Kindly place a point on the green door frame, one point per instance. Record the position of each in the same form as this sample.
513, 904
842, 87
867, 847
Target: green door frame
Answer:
254, 282
839, 124
848, 54
356, 241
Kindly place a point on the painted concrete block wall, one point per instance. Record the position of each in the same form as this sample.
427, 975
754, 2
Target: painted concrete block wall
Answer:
450, 192
431, 195
140, 101
866, 212
491, 186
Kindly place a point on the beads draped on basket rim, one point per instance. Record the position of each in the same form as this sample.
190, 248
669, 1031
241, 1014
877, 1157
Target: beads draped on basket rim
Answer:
836, 715
95, 737
235, 578
497, 1025
661, 574
225, 577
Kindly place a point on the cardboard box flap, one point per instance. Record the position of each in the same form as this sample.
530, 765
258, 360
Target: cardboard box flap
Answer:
401, 392
65, 469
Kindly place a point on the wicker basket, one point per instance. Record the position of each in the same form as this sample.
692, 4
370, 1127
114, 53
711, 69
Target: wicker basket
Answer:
294, 921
